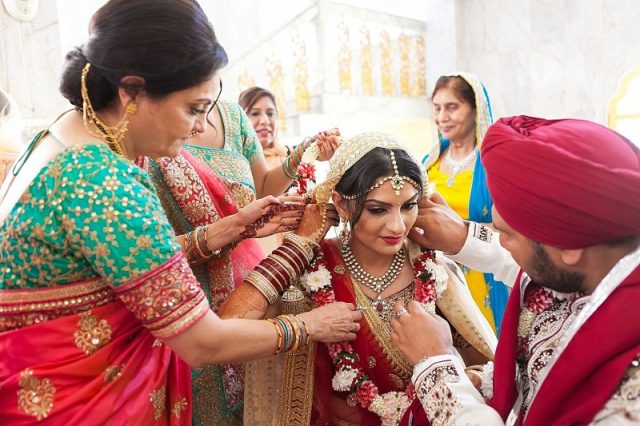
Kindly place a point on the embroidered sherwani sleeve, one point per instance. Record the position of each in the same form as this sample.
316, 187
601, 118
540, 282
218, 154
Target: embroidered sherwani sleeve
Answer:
448, 396
623, 408
482, 251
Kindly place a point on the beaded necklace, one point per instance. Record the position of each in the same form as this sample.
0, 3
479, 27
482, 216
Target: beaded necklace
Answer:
377, 284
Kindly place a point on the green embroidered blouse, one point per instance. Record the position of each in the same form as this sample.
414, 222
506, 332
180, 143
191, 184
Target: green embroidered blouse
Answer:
88, 213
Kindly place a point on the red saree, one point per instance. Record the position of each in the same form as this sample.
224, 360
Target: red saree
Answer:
380, 360
86, 353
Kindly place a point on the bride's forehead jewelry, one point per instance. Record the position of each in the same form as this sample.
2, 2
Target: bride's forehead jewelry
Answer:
396, 181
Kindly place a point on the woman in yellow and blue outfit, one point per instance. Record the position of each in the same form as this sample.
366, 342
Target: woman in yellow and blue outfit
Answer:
462, 113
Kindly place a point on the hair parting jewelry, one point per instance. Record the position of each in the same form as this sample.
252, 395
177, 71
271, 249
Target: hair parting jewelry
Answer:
397, 181
113, 135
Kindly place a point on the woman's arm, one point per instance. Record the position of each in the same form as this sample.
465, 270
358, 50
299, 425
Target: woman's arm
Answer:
260, 218
290, 260
276, 180
212, 340
269, 182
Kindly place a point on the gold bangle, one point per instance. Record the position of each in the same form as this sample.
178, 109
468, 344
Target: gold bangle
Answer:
263, 286
302, 244
279, 340
306, 331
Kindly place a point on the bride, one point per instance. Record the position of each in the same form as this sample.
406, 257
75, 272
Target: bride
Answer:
375, 185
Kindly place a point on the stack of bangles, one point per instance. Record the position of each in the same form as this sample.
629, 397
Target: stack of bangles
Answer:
293, 160
196, 245
292, 331
282, 267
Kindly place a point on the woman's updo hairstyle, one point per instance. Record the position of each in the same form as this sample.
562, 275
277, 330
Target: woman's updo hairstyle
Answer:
365, 173
170, 44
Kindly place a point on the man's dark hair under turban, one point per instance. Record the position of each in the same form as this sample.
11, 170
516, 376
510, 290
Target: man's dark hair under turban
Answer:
566, 183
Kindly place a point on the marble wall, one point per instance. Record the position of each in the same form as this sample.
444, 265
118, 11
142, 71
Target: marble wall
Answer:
552, 58
31, 61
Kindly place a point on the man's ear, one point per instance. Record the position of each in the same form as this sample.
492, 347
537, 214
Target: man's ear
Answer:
571, 257
341, 205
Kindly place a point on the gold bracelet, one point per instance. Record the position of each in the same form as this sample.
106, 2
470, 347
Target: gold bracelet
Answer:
280, 340
306, 331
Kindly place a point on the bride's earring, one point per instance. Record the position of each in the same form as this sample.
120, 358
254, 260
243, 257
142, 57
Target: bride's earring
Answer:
345, 232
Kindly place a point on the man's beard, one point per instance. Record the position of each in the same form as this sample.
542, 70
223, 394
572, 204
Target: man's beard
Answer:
545, 273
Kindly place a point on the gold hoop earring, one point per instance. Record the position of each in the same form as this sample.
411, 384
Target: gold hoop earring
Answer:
112, 135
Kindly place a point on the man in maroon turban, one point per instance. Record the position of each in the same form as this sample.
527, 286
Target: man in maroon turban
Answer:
566, 199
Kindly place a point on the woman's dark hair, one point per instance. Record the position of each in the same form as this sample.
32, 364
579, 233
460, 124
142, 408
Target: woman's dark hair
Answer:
365, 173
170, 44
252, 95
459, 85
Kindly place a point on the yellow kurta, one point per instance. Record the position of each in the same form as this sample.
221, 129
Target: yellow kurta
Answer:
457, 197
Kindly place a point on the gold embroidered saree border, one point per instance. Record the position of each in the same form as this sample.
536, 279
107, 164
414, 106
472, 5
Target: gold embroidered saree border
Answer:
296, 388
22, 308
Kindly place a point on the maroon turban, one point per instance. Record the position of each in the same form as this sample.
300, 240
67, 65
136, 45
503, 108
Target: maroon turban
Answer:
566, 183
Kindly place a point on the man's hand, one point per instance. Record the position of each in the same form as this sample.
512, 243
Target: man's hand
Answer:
438, 226
418, 333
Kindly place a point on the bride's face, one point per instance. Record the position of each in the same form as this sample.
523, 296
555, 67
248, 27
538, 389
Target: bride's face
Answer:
385, 220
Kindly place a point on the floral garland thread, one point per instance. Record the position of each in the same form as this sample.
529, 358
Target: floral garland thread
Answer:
431, 281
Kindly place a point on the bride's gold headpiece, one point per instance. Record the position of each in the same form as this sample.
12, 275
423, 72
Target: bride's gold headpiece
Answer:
351, 151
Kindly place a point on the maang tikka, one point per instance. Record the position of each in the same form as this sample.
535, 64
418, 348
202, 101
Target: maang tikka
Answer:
397, 181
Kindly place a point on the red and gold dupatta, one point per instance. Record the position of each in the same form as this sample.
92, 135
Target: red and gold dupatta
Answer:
380, 360
203, 198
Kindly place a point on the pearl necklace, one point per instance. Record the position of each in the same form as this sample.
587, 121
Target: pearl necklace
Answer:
377, 284
458, 165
